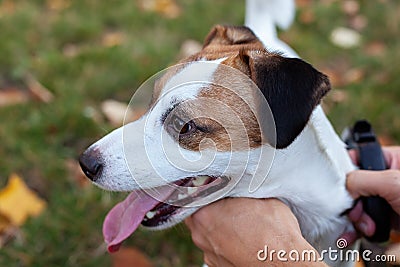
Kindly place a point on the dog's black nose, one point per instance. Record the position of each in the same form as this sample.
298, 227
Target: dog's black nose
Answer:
89, 161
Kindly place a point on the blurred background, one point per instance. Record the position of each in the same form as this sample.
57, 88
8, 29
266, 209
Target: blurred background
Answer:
68, 68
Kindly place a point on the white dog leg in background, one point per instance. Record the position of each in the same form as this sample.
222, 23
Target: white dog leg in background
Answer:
263, 16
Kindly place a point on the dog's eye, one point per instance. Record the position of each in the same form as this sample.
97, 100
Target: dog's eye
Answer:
181, 126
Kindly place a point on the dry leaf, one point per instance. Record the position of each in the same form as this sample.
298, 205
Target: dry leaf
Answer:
7, 7
307, 16
37, 90
167, 8
335, 76
12, 96
338, 96
115, 112
303, 3
4, 222
18, 202
71, 50
358, 22
129, 256
111, 39
354, 76
189, 47
57, 5
350, 7
376, 48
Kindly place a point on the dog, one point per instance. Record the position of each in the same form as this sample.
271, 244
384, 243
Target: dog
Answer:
236, 119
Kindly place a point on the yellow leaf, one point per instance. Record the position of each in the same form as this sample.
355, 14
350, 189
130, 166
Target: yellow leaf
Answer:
18, 202
4, 222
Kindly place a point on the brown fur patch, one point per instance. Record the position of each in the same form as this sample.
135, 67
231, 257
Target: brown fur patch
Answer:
225, 112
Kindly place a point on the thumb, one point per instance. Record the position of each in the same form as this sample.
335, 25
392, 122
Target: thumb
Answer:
385, 184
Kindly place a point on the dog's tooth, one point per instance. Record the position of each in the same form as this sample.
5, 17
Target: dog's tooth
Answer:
150, 214
191, 190
200, 180
181, 196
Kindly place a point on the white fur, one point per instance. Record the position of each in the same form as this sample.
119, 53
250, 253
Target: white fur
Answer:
262, 16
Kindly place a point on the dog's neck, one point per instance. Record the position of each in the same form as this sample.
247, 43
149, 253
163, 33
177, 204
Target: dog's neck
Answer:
316, 161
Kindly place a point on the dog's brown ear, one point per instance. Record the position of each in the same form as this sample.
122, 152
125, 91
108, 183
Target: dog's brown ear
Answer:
230, 35
292, 87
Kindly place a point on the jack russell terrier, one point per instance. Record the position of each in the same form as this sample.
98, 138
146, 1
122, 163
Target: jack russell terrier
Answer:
234, 120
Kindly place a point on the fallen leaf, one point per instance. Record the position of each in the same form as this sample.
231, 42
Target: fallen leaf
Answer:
18, 202
303, 3
307, 16
167, 8
7, 7
58, 5
71, 50
189, 47
111, 39
335, 76
376, 48
338, 96
115, 111
355, 75
129, 256
37, 90
350, 7
358, 22
12, 96
345, 37
4, 222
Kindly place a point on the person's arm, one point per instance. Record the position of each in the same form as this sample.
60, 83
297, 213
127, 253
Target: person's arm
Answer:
241, 231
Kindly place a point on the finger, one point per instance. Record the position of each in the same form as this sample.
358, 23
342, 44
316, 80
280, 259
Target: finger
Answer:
365, 225
353, 155
392, 156
350, 237
373, 183
355, 214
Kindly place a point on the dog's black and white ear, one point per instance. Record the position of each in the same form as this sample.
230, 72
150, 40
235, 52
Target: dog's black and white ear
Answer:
230, 35
292, 87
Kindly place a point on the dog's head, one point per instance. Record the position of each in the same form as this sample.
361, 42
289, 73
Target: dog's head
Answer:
209, 114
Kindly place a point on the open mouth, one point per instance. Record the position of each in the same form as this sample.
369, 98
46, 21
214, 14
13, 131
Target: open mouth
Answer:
188, 191
141, 208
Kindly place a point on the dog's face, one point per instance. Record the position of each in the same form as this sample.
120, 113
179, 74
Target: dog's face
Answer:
209, 114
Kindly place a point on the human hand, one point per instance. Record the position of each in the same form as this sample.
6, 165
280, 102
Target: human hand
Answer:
231, 231
385, 184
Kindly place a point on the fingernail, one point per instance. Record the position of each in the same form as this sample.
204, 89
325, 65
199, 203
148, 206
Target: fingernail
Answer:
363, 227
366, 228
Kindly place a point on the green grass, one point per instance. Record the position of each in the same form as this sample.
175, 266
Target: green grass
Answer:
37, 138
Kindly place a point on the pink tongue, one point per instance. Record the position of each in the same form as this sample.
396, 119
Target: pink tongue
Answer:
126, 216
